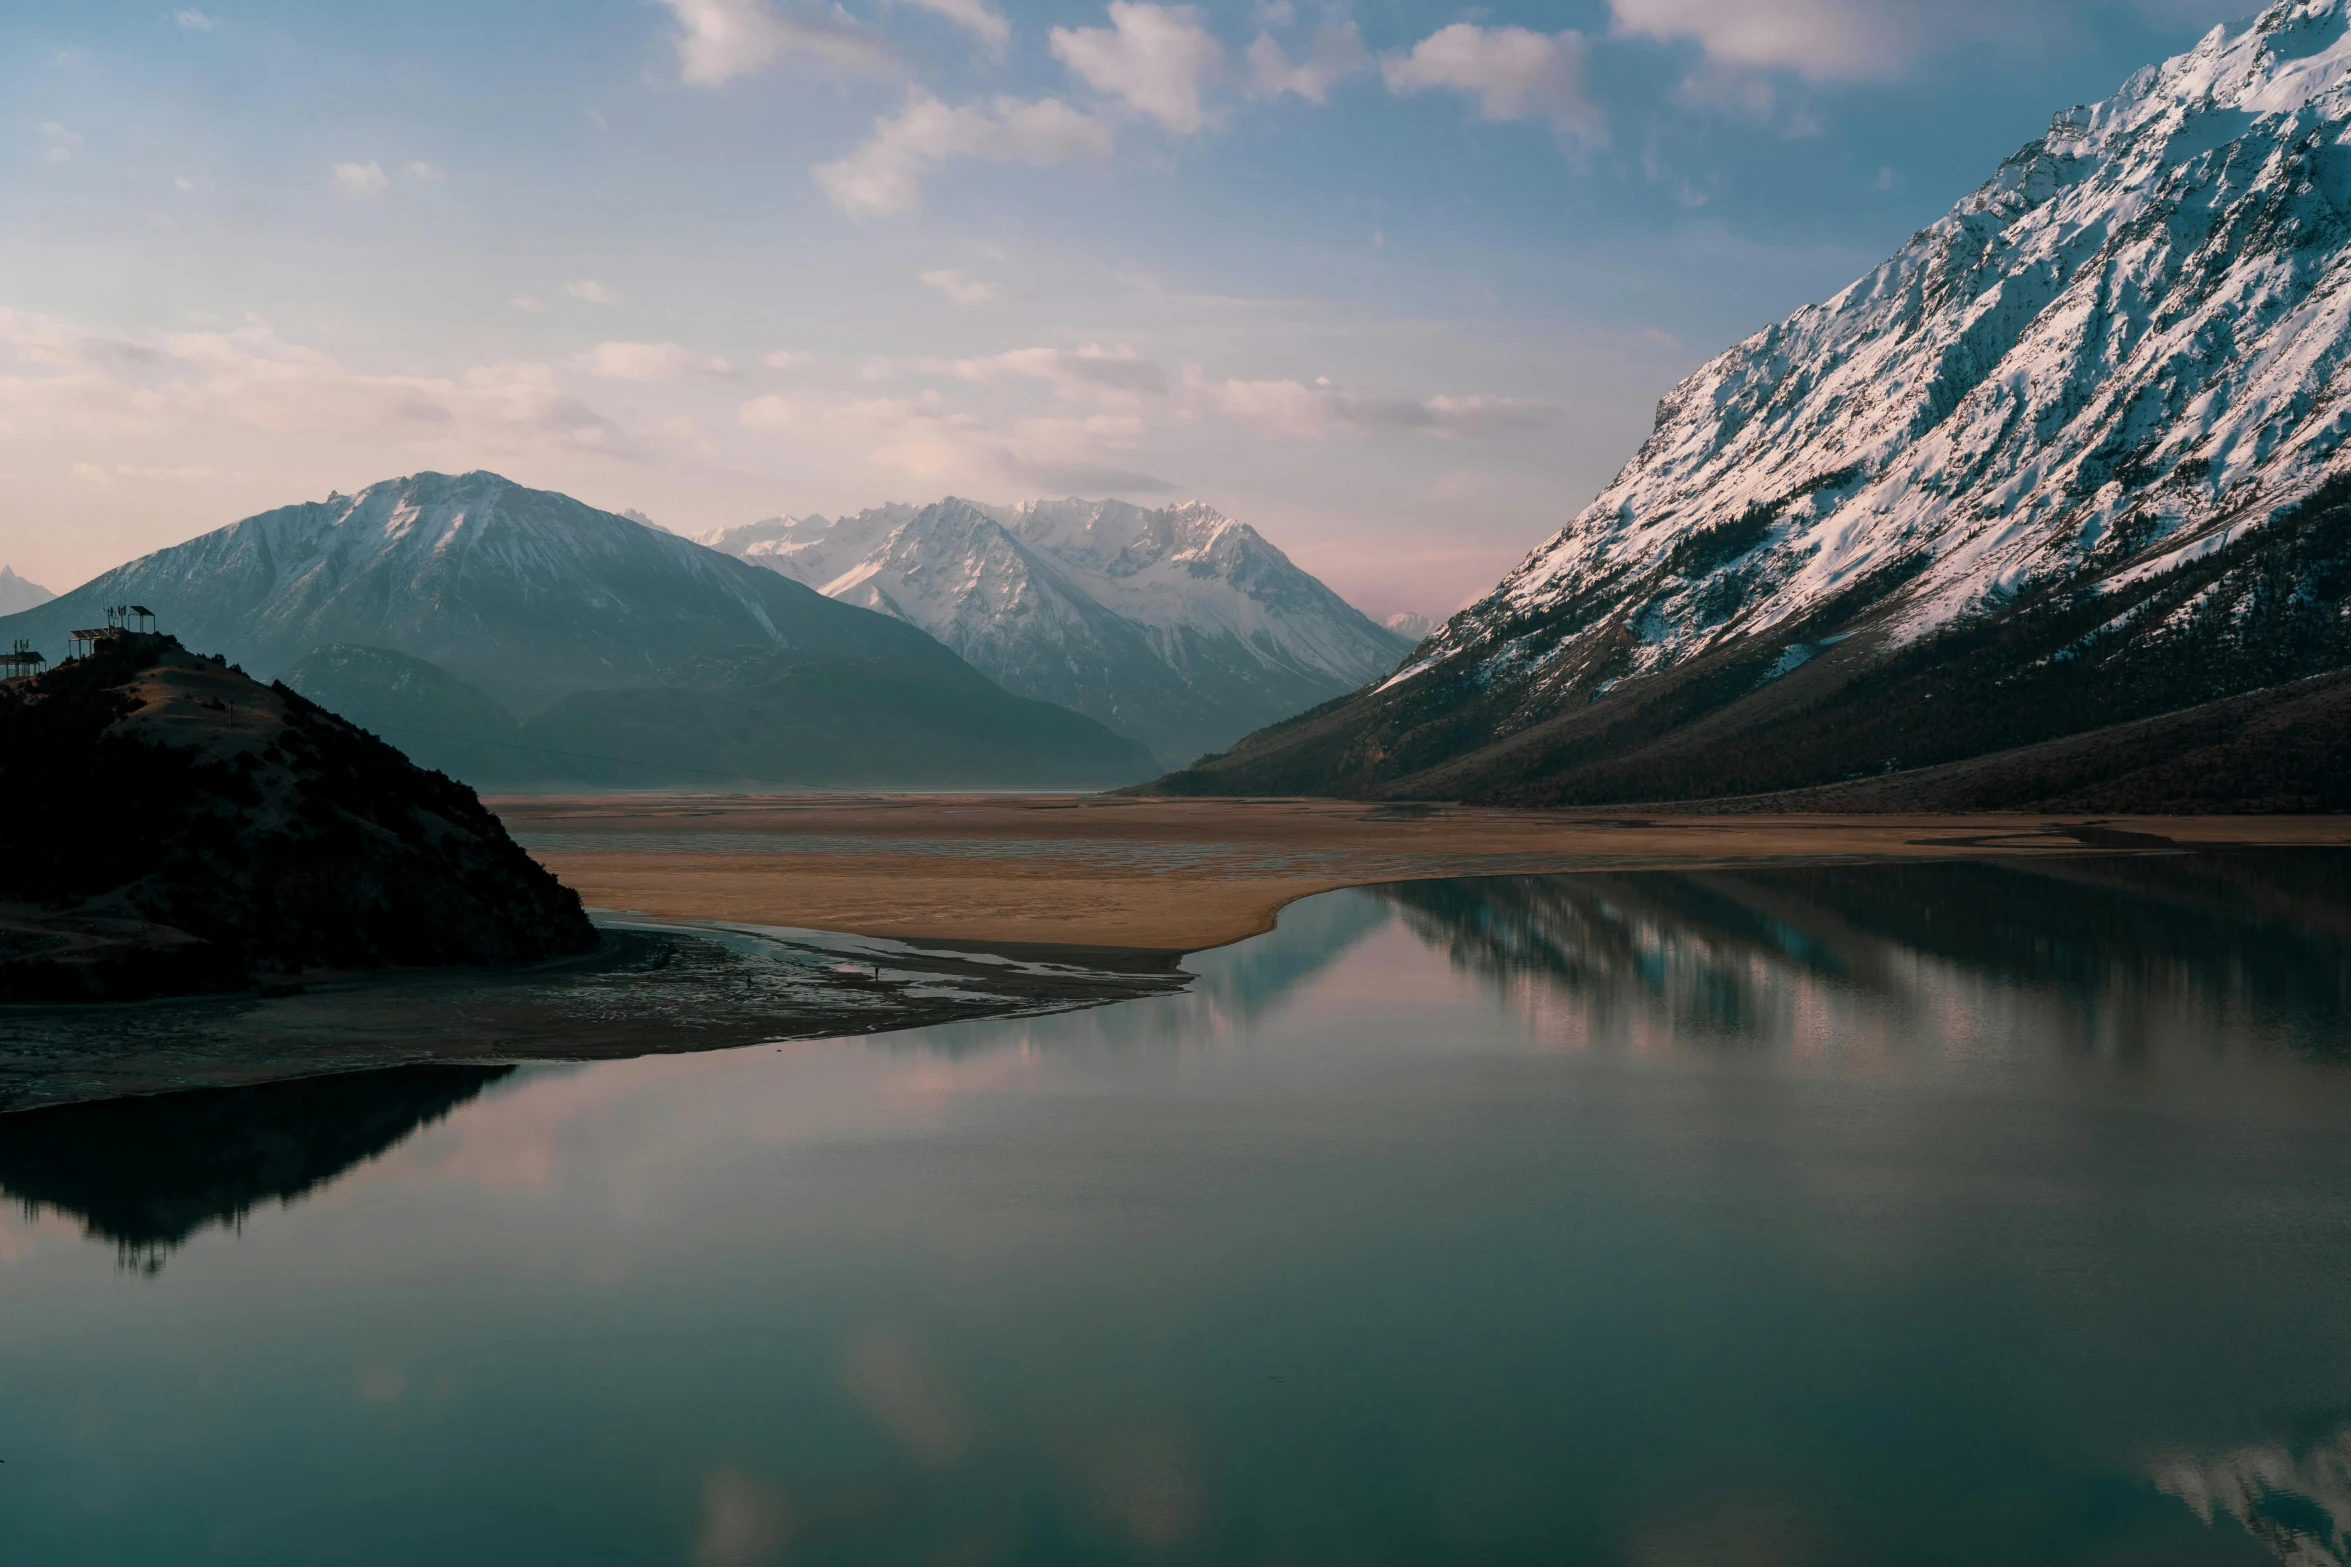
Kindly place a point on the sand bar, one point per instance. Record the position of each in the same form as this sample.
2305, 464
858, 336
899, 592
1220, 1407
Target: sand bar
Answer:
1182, 875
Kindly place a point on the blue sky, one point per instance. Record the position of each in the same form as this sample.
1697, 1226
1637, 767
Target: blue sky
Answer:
1400, 283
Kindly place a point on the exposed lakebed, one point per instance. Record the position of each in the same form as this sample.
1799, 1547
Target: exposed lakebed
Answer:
1949, 1213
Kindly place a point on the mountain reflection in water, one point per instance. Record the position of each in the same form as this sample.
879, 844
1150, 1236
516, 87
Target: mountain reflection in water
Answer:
1824, 1215
2120, 957
149, 1173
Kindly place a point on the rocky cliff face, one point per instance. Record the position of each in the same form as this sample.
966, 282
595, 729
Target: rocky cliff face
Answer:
1178, 626
2075, 454
174, 827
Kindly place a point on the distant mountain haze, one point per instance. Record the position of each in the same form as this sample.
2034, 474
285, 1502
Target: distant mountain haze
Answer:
447, 612
1176, 625
2074, 456
16, 593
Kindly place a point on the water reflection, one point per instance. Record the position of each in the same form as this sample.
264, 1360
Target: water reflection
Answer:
2109, 957
1337, 1257
148, 1174
2296, 1504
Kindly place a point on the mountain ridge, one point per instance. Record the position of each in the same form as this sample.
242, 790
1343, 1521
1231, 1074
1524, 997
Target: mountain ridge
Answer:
1176, 624
2073, 455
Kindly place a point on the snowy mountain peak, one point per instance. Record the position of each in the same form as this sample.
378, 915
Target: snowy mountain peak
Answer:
524, 593
1175, 624
2093, 419
2131, 340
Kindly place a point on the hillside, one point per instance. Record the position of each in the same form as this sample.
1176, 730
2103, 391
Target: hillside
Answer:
2072, 457
1178, 625
175, 827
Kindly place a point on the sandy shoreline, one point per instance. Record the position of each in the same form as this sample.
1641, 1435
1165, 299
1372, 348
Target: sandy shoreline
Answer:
1183, 875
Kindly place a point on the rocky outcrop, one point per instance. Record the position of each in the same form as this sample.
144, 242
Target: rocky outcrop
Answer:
173, 827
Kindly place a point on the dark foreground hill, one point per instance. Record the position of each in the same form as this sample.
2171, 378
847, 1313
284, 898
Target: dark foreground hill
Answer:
174, 827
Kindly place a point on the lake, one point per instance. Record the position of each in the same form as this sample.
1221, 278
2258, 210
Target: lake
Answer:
1861, 1214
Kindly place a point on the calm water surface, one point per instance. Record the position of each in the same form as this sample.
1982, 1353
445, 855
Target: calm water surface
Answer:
1895, 1214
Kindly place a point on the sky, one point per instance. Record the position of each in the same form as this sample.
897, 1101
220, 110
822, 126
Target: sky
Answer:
1398, 283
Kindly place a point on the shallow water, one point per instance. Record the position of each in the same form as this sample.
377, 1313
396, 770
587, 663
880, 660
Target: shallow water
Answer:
1919, 1214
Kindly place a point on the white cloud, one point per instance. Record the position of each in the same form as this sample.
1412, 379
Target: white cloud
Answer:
1157, 59
885, 174
528, 302
1335, 51
196, 21
58, 144
590, 292
1513, 73
421, 170
785, 359
719, 40
976, 17
963, 289
1873, 40
1117, 376
360, 179
202, 393
925, 438
1300, 409
650, 362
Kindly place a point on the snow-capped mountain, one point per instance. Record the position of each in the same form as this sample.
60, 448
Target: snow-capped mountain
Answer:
1178, 625
1410, 626
16, 593
525, 593
2074, 454
444, 599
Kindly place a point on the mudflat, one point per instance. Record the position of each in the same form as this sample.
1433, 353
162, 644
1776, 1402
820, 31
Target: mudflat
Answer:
1182, 875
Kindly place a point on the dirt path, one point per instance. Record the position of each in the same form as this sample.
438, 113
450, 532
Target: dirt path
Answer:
1187, 874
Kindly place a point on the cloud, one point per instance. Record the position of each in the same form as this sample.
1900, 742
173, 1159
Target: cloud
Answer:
976, 17
360, 180
926, 438
1513, 73
1300, 409
203, 391
528, 303
1335, 51
1155, 58
421, 170
1115, 376
719, 40
1872, 40
590, 292
650, 362
58, 144
196, 21
784, 359
885, 174
962, 289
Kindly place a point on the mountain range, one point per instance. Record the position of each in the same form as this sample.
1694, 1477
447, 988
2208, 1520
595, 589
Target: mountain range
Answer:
1176, 625
2073, 457
621, 654
16, 593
